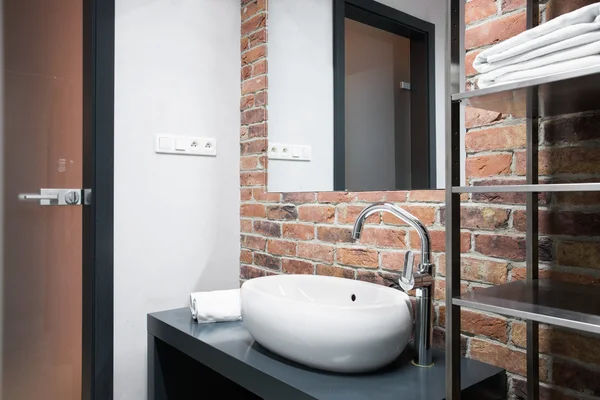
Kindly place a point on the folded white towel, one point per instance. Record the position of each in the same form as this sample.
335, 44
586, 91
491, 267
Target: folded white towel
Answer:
567, 26
546, 70
216, 306
533, 54
560, 61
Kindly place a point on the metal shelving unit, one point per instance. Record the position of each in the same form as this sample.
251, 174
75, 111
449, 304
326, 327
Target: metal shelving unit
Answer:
537, 301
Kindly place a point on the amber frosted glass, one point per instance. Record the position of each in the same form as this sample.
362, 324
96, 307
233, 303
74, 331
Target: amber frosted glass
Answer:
41, 128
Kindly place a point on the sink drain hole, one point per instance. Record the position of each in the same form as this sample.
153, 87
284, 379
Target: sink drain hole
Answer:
353, 297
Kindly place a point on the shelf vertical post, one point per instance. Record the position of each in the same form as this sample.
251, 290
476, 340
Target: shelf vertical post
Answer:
532, 252
454, 84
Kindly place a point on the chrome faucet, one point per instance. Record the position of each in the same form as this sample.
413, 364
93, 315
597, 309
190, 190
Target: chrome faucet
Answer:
422, 280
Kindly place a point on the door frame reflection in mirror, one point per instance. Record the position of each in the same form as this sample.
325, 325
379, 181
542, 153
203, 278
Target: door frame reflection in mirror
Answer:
422, 91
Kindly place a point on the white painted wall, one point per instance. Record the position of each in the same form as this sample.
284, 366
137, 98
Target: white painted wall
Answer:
301, 92
176, 217
301, 86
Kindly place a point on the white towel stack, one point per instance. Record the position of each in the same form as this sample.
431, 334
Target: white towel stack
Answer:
216, 306
566, 43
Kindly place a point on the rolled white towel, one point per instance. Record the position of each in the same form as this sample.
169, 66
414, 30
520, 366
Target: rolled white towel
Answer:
216, 306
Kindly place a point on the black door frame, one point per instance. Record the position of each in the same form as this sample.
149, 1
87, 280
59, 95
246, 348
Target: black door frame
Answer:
422, 37
98, 175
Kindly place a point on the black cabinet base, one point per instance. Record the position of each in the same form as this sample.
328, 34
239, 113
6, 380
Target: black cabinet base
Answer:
173, 375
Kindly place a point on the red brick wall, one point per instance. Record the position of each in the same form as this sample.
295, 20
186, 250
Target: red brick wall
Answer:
310, 232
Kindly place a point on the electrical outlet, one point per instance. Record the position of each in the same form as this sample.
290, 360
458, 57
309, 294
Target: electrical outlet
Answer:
196, 146
278, 151
274, 151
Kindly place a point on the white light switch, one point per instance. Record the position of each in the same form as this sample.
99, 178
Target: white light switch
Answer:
181, 144
165, 143
196, 146
306, 153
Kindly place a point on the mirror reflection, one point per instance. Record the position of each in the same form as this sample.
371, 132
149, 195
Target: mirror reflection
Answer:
356, 96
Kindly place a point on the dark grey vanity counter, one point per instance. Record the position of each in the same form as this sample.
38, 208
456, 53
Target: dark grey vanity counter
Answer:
228, 349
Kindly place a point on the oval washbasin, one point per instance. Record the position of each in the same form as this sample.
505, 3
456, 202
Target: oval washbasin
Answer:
329, 323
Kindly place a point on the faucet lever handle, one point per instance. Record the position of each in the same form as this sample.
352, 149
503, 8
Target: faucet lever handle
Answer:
407, 280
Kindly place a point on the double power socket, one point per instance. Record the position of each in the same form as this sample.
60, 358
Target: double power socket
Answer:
278, 151
187, 145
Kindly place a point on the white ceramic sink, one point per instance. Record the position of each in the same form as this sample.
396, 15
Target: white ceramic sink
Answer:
329, 323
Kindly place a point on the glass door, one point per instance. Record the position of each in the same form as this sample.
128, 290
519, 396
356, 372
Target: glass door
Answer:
48, 343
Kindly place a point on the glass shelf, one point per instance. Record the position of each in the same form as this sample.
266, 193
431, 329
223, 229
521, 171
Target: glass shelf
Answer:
563, 304
558, 94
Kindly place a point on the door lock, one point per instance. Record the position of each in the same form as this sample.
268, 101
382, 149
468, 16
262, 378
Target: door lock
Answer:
55, 197
72, 197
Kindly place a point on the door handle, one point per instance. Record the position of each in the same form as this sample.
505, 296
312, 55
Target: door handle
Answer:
38, 197
55, 197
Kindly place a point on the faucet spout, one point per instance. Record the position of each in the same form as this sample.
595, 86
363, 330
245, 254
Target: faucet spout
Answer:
422, 280
404, 216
